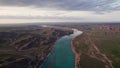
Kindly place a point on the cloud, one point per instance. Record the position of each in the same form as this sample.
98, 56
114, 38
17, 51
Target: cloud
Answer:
84, 5
60, 10
33, 13
28, 14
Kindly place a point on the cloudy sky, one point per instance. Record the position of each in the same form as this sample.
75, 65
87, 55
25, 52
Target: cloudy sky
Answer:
21, 11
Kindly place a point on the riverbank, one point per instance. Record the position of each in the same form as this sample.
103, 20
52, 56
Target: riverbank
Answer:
77, 58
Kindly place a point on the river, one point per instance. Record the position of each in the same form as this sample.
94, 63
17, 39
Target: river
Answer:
62, 55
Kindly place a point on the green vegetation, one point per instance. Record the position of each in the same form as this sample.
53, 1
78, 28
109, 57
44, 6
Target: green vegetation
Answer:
9, 58
99, 42
2, 43
28, 45
109, 43
88, 62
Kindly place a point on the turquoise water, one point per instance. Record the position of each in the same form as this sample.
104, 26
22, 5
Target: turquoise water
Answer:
62, 55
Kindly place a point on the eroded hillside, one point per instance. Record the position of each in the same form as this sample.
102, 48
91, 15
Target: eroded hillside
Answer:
27, 46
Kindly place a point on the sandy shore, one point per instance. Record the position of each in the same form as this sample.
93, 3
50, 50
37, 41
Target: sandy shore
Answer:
77, 58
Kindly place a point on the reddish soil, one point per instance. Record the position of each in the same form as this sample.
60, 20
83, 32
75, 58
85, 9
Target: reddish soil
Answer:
77, 57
